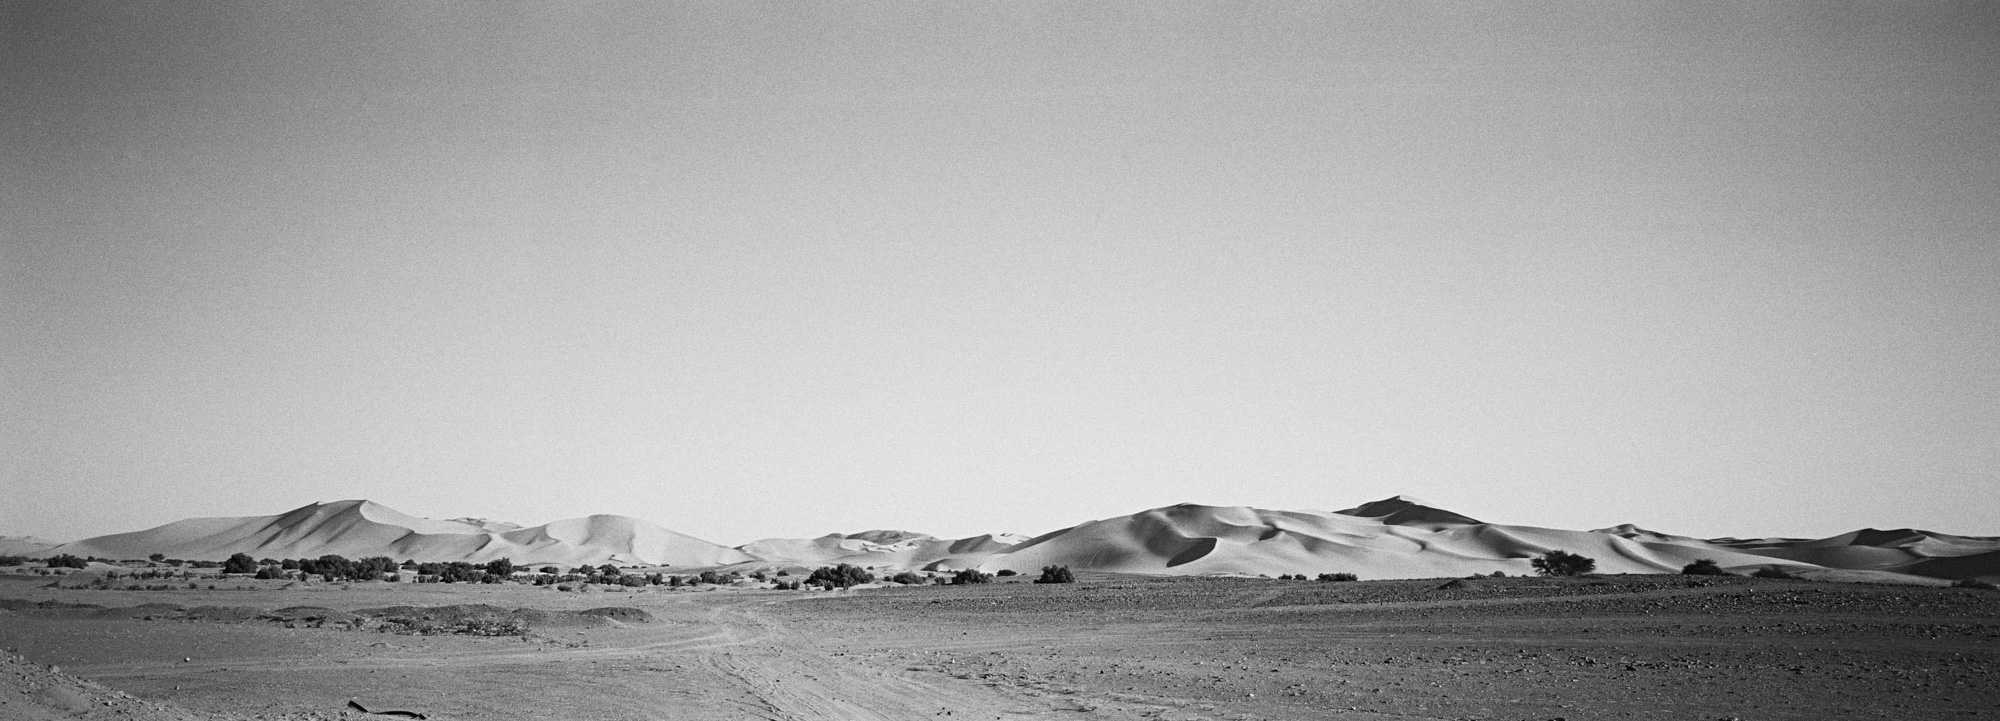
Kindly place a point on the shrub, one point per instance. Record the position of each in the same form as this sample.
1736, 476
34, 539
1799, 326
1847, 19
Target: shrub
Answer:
970, 575
1007, 572
1976, 583
1772, 573
1332, 577
552, 570
502, 567
609, 570
204, 564
1056, 574
711, 577
67, 561
1563, 563
239, 563
289, 564
156, 557
1703, 567
842, 576
907, 578
13, 560
268, 573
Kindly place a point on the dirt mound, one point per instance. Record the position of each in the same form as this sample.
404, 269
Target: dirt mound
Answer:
32, 693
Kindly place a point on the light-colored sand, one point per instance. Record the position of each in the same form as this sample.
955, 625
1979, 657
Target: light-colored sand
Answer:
1399, 537
882, 549
358, 529
24, 545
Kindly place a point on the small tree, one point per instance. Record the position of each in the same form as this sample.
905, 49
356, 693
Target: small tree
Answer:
1056, 574
1332, 577
845, 575
1007, 572
1563, 563
907, 578
970, 575
156, 557
239, 563
1703, 567
502, 567
67, 561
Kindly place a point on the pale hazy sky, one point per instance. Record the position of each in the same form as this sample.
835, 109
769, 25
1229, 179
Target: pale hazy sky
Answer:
780, 269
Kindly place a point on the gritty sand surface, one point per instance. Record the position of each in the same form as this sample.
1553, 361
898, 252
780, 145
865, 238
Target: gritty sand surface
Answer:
1112, 647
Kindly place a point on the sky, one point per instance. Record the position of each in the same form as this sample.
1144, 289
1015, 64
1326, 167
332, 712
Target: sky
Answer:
760, 269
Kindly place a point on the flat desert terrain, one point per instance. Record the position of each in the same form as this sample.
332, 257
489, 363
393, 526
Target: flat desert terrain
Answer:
1110, 646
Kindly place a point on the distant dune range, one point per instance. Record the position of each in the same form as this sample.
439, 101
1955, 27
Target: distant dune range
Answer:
1398, 537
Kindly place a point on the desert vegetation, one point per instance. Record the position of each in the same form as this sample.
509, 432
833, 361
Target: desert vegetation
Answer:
845, 575
1056, 574
1562, 563
1703, 567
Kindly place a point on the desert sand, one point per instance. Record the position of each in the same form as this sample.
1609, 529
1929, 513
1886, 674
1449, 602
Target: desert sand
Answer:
1399, 537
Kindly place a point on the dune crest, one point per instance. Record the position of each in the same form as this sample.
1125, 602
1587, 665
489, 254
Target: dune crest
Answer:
359, 529
1396, 537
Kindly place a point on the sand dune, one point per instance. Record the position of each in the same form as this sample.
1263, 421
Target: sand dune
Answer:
1392, 538
24, 545
358, 529
1902, 550
1398, 537
882, 549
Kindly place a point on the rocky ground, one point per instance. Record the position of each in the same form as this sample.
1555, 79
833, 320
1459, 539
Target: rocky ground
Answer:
1114, 647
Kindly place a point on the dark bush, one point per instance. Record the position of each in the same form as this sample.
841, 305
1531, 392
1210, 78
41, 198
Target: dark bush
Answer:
609, 570
1563, 563
908, 578
1056, 574
67, 561
156, 557
268, 573
13, 560
970, 575
711, 577
551, 570
843, 576
239, 563
1331, 577
289, 564
1703, 567
502, 567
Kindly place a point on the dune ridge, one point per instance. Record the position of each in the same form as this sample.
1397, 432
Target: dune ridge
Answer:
359, 529
1396, 537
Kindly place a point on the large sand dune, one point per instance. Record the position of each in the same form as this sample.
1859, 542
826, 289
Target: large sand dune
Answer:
1397, 537
882, 549
358, 529
24, 545
1393, 538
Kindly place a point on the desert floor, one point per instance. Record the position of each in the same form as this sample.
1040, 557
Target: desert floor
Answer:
1114, 647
